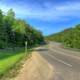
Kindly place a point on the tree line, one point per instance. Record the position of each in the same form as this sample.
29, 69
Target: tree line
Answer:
15, 32
69, 37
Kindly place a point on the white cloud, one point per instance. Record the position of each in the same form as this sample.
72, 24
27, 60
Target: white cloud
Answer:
47, 11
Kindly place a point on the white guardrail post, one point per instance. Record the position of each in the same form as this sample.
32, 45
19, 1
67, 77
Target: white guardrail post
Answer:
26, 47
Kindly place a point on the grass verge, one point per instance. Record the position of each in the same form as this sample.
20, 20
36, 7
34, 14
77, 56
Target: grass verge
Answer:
10, 62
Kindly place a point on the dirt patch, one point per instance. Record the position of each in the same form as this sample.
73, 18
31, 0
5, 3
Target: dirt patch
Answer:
36, 68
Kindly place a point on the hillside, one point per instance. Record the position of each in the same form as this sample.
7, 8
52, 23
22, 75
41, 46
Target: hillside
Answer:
15, 32
69, 37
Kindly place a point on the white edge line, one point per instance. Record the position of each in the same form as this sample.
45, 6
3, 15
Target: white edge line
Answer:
61, 61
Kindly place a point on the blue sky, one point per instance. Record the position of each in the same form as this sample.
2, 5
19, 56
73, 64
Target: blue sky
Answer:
49, 16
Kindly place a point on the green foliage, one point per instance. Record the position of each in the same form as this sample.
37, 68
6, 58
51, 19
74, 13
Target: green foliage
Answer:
14, 32
69, 37
8, 59
2, 31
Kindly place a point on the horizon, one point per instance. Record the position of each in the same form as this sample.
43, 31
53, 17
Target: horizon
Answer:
48, 16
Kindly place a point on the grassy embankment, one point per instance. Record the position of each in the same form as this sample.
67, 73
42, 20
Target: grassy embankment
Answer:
9, 59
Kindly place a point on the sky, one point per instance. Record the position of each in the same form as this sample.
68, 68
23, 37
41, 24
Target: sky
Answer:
49, 16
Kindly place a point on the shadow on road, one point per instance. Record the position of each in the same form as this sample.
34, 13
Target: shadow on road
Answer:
41, 49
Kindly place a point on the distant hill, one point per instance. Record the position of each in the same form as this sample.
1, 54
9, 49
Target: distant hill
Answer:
69, 37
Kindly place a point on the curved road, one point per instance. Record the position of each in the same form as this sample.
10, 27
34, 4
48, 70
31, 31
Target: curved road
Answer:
65, 62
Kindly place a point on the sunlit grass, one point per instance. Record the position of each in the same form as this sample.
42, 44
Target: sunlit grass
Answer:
8, 59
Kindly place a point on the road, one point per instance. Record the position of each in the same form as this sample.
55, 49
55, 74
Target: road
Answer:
65, 62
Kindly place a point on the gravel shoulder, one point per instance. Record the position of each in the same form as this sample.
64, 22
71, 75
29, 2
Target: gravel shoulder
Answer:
36, 68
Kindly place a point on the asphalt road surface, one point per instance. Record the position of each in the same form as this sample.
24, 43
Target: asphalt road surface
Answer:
65, 62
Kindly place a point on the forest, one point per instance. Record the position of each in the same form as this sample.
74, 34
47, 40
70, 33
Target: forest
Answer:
15, 32
69, 37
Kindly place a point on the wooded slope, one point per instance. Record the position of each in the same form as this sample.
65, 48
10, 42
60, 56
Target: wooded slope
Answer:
69, 37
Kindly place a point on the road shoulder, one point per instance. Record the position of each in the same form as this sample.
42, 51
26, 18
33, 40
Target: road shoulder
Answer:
36, 68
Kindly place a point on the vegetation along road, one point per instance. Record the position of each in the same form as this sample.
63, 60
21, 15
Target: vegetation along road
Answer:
13, 35
15, 32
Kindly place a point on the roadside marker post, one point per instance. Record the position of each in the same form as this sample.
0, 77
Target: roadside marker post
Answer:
25, 47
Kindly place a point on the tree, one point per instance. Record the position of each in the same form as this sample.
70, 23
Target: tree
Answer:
69, 37
14, 32
8, 22
2, 31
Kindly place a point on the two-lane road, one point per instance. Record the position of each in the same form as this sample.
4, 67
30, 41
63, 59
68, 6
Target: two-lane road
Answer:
65, 62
